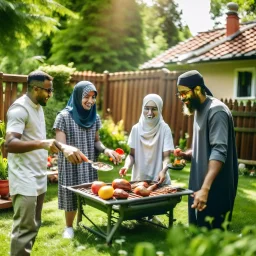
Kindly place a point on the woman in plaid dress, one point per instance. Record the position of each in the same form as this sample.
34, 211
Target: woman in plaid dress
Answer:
78, 125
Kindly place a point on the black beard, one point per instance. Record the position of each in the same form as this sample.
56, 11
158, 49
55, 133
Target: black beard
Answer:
41, 102
194, 104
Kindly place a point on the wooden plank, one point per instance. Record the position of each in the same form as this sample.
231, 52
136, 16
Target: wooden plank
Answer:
14, 78
24, 88
254, 135
245, 129
14, 92
249, 162
7, 98
239, 122
2, 112
105, 94
243, 114
5, 203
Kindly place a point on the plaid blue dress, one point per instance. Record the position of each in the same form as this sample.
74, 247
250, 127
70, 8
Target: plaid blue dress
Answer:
72, 174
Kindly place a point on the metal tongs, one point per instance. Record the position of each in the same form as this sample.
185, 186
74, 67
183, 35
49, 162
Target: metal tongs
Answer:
96, 165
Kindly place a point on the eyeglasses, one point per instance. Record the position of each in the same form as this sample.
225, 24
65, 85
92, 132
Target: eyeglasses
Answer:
183, 94
48, 90
153, 109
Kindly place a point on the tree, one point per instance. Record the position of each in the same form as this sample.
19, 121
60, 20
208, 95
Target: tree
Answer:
107, 36
23, 24
20, 21
162, 26
247, 9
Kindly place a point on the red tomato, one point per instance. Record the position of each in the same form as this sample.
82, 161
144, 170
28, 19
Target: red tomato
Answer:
96, 185
176, 151
119, 151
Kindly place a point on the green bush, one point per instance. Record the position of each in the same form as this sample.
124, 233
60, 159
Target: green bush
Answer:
50, 111
113, 135
2, 131
193, 241
182, 143
62, 91
3, 161
61, 82
144, 249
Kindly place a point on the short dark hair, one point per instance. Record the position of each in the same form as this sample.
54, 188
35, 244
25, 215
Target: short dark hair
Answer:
38, 75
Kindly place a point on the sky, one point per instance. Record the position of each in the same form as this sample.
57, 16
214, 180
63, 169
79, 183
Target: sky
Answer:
195, 14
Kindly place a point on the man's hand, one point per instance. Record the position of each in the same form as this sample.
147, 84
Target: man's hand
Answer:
50, 145
200, 199
178, 152
186, 155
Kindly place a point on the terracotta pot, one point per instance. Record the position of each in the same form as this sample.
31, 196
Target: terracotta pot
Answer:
4, 188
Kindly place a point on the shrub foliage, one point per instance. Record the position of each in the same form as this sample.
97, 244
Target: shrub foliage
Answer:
62, 90
113, 135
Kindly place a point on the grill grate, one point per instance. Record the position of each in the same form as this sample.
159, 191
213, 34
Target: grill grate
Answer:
167, 189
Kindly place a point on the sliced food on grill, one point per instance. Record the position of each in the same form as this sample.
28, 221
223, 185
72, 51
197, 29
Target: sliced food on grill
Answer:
120, 194
141, 191
139, 183
121, 183
167, 190
152, 187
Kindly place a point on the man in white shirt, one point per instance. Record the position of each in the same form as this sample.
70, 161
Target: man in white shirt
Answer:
27, 149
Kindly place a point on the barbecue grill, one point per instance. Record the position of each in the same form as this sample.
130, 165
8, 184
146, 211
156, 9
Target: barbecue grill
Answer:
161, 201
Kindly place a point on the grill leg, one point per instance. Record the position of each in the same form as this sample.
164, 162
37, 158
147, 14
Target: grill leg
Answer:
112, 229
79, 210
170, 218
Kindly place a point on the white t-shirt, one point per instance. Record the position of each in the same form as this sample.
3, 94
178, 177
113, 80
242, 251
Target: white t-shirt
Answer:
149, 159
27, 171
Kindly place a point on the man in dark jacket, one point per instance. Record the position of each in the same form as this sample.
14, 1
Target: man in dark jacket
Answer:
214, 166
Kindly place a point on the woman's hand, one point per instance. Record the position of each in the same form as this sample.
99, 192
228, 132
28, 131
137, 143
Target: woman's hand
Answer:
73, 154
123, 171
161, 176
116, 158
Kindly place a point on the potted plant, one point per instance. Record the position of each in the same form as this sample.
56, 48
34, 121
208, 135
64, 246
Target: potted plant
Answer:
4, 183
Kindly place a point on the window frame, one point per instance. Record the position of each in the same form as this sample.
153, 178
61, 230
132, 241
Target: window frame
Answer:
253, 84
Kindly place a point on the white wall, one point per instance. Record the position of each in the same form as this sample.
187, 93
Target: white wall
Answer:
219, 77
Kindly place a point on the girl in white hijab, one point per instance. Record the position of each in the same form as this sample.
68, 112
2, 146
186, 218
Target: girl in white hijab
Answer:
150, 144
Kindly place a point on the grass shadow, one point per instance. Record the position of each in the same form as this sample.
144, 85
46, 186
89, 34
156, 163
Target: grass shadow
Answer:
129, 233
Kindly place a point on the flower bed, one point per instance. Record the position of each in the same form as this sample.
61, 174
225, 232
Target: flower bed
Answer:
52, 168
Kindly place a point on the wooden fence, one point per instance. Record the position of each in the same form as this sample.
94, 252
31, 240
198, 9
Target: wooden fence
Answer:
120, 95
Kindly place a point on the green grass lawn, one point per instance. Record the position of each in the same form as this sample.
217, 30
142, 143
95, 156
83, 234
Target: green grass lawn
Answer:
50, 241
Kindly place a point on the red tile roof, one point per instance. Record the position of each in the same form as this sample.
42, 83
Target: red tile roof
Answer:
208, 46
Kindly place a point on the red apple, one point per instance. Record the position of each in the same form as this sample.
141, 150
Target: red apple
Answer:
96, 185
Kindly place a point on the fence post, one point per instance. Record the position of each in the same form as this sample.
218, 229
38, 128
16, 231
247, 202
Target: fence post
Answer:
105, 93
1, 97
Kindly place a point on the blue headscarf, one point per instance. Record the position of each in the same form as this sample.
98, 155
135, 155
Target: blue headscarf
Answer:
82, 117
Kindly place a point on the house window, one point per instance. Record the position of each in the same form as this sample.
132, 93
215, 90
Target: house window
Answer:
245, 83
